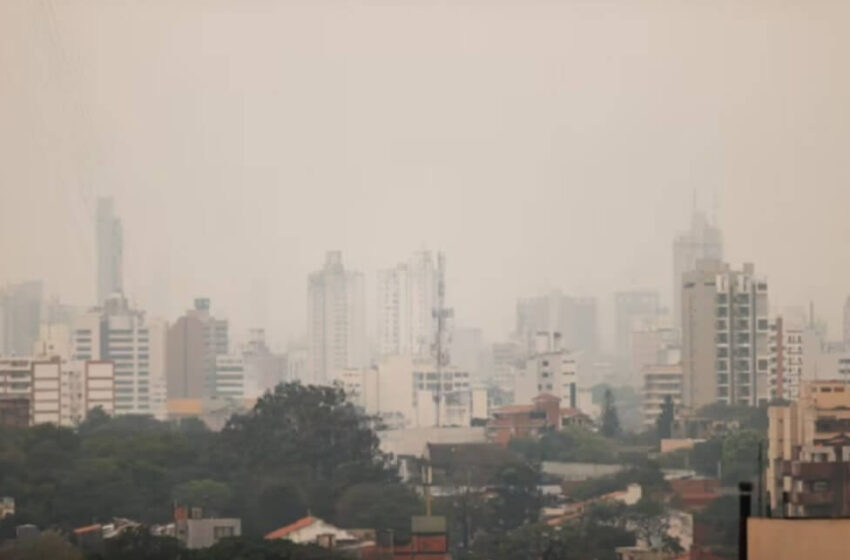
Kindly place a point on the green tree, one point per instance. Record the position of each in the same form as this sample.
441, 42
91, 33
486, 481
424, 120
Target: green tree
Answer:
610, 420
46, 545
664, 423
307, 435
740, 455
378, 506
212, 496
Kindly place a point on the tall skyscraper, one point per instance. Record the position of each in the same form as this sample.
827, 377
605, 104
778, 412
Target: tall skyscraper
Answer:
574, 318
336, 320
726, 336
407, 297
135, 344
110, 247
20, 317
632, 310
703, 241
194, 341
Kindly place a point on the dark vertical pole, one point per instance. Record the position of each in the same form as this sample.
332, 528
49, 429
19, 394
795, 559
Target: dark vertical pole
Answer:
745, 503
760, 488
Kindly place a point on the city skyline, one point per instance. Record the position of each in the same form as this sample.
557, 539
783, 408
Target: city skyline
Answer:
500, 174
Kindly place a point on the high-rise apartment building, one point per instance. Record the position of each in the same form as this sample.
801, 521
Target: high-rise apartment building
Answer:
726, 336
194, 341
575, 318
336, 320
110, 247
407, 297
632, 310
135, 344
20, 316
787, 359
703, 241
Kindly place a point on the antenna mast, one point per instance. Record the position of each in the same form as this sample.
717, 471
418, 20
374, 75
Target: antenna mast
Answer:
441, 314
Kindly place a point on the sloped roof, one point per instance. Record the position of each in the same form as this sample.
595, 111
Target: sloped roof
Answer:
291, 528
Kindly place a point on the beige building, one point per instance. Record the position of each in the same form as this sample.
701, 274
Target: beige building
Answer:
726, 336
793, 539
659, 382
809, 452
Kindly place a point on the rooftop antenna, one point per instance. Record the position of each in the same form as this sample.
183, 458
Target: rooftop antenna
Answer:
441, 314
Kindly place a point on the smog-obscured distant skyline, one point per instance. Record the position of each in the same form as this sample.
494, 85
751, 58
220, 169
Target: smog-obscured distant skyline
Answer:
539, 144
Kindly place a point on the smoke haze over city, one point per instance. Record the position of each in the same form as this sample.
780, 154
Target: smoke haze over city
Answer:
540, 145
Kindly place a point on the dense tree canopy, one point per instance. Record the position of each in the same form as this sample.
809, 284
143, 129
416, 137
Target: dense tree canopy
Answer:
301, 448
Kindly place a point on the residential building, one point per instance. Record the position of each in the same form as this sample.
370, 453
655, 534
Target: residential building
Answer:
550, 368
787, 358
632, 310
808, 465
652, 344
312, 530
54, 340
14, 412
792, 539
135, 344
408, 392
110, 248
54, 391
575, 318
336, 320
704, 241
195, 531
407, 297
508, 359
264, 369
20, 317
229, 376
194, 341
660, 381
531, 420
726, 336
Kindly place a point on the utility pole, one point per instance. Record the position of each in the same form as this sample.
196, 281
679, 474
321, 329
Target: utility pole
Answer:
440, 348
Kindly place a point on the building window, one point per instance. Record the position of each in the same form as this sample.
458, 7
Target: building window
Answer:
222, 532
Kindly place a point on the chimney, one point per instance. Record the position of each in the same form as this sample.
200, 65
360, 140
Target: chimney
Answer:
745, 502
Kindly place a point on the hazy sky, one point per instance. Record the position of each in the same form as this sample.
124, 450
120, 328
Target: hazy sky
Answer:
541, 144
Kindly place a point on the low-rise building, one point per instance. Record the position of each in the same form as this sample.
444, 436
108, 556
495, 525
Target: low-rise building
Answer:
531, 420
808, 471
659, 383
195, 531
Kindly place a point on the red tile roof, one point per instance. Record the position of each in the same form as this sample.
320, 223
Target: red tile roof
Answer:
87, 529
291, 528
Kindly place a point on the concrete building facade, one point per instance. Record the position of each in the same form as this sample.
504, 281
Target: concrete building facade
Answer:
110, 250
703, 241
135, 344
726, 336
336, 320
194, 341
808, 468
660, 381
407, 297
